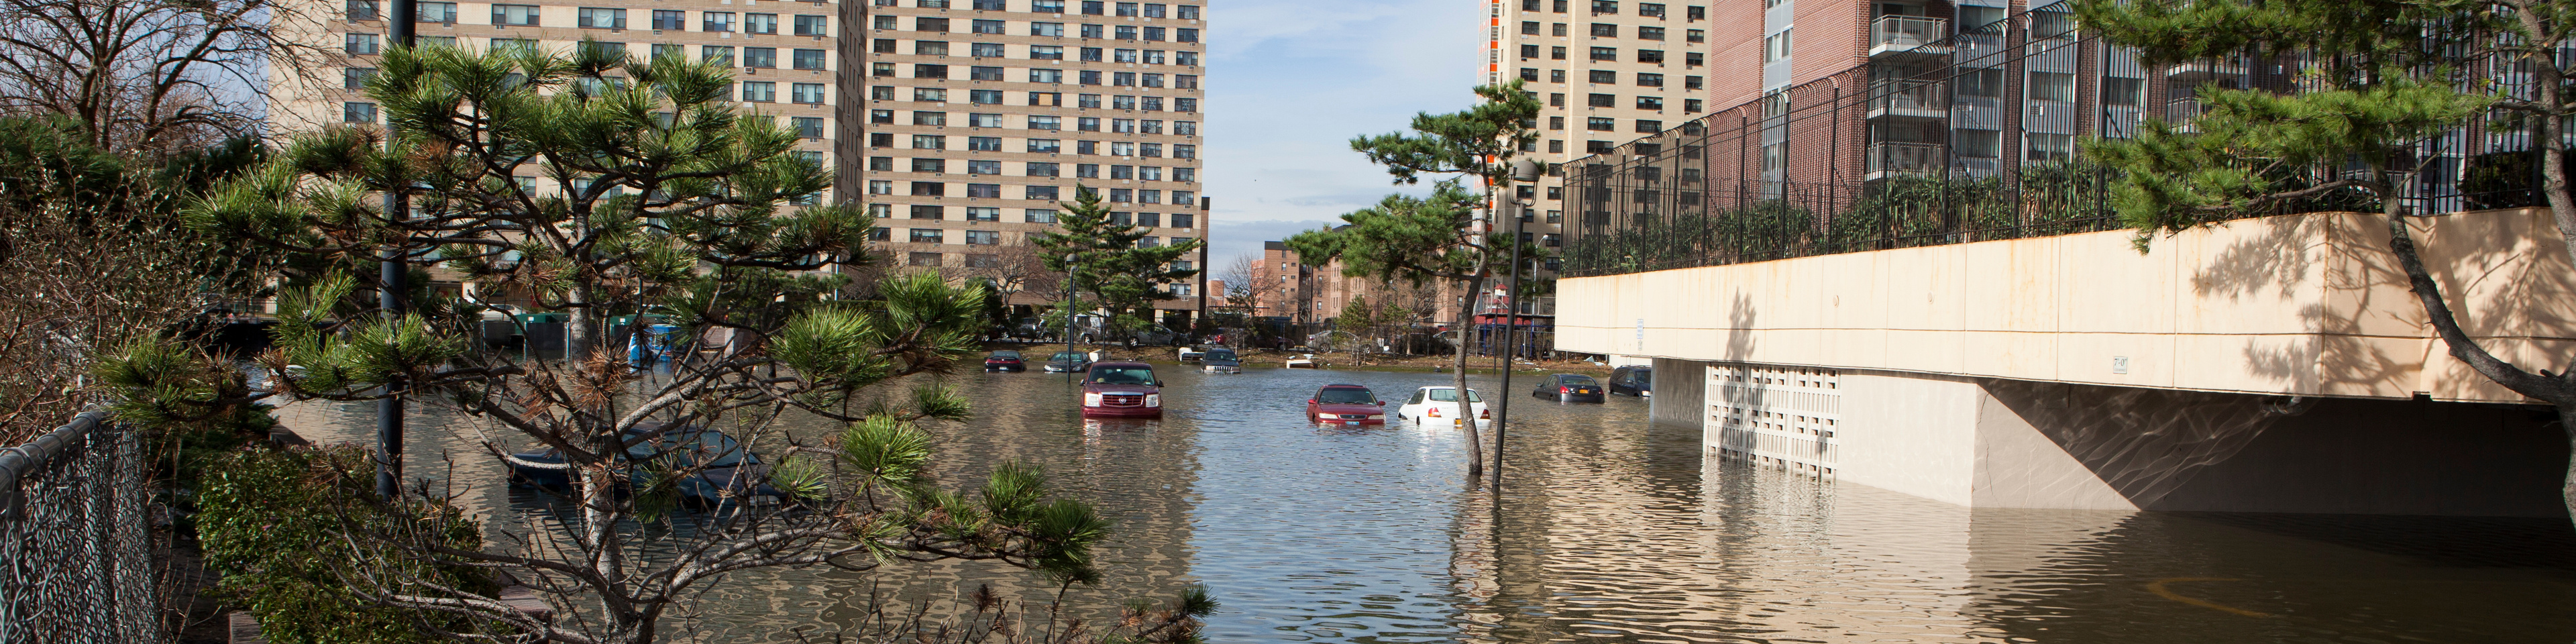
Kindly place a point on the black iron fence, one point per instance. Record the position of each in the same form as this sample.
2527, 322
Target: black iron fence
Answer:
76, 538
1972, 137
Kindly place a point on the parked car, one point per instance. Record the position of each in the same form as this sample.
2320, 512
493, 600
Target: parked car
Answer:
1032, 329
1568, 387
1191, 353
1122, 389
1004, 361
1438, 407
1346, 405
1064, 361
723, 470
1221, 360
1636, 381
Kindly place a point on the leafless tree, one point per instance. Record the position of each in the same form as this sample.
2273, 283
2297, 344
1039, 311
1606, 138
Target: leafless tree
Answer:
1017, 269
152, 77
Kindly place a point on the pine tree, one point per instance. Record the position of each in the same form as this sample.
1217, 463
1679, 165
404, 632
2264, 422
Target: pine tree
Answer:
1106, 260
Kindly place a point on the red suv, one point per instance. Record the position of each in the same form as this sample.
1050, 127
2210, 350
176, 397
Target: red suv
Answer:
1122, 389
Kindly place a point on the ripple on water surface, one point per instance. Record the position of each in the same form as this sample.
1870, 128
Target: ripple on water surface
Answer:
1614, 530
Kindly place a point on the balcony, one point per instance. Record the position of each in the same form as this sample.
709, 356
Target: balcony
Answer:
1897, 36
2181, 110
2205, 70
1887, 160
1909, 99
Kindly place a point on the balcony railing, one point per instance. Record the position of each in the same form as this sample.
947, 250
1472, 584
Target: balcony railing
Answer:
1908, 98
1896, 34
1893, 158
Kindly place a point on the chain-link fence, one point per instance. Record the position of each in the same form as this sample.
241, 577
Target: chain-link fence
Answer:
76, 537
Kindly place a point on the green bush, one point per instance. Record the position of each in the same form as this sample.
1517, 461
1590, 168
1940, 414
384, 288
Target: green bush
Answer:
273, 524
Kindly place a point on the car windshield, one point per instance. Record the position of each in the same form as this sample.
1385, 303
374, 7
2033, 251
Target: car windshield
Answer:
1576, 381
1066, 356
1014, 355
1451, 395
1123, 376
1220, 354
1346, 396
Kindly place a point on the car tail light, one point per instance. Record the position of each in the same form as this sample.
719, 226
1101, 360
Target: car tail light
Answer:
1563, 389
1435, 412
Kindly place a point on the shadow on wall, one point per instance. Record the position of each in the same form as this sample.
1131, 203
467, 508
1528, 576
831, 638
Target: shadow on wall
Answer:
2198, 451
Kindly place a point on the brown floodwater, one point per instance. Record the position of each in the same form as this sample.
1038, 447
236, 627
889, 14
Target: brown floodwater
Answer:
1609, 529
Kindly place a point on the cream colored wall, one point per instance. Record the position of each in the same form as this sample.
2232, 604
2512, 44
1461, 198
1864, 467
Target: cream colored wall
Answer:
2300, 304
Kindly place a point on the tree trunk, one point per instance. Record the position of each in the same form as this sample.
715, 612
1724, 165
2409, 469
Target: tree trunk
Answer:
579, 331
1466, 409
2555, 389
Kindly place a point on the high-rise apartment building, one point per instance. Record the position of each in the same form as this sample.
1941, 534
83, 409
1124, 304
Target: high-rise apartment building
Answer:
980, 116
960, 123
1605, 72
785, 54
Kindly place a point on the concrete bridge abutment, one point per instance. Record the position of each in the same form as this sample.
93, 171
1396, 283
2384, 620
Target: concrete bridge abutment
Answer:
2000, 443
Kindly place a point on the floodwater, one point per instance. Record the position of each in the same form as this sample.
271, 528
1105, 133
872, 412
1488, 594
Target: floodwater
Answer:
1614, 530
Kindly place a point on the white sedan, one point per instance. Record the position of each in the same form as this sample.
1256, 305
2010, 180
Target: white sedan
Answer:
1438, 407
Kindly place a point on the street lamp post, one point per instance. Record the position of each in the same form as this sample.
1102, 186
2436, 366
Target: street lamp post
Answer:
395, 276
1070, 292
1523, 171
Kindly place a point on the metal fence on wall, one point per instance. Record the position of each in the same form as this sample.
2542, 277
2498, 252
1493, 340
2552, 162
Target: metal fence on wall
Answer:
1972, 137
77, 537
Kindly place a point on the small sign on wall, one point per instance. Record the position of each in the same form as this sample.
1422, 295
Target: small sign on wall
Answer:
2119, 364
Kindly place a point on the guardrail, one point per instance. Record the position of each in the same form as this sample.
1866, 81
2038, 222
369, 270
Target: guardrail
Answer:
75, 539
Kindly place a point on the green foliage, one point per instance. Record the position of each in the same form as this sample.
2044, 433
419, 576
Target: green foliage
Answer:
273, 523
1480, 140
1107, 263
885, 452
2380, 83
1416, 239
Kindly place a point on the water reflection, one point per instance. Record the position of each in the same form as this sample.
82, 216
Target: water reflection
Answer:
1615, 530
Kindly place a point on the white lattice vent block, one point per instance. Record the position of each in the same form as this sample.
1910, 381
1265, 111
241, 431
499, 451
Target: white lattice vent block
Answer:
1774, 416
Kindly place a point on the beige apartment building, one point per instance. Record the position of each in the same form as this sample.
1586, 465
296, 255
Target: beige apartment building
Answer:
982, 115
785, 53
1606, 72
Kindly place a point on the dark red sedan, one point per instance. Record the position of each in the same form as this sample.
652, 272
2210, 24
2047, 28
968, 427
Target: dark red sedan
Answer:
1346, 405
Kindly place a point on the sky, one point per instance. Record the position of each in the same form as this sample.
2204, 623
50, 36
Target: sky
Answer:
1290, 82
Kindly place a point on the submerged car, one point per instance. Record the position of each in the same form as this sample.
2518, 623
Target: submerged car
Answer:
1220, 360
1568, 387
1346, 405
1004, 361
1636, 381
1438, 407
718, 469
1122, 389
1068, 361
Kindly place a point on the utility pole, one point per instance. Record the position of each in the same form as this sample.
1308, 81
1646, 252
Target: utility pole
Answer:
1071, 291
1523, 171
395, 276
1207, 224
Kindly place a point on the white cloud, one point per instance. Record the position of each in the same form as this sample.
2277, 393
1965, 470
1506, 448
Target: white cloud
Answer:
1289, 84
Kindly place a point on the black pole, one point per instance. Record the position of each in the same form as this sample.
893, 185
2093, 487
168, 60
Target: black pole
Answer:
395, 278
1070, 292
1511, 323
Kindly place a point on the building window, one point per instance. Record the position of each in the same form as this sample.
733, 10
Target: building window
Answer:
1649, 127
929, 189
929, 142
763, 57
1041, 169
922, 259
711, 21
880, 187
357, 112
939, 25
1046, 6
926, 118
355, 78
1775, 47
1091, 32
1043, 52
1690, 106
713, 54
361, 44
602, 18
984, 190
518, 15
813, 25
2051, 147
810, 127
1041, 193
981, 213
759, 92
809, 59
1600, 124
1604, 100
1605, 7
989, 5
1049, 123
983, 167
1047, 146
984, 237
1693, 82
1054, 29
933, 213
985, 27
1038, 215
930, 165
1650, 103
364, 10
924, 70
1650, 80
1597, 147
1650, 10
1605, 30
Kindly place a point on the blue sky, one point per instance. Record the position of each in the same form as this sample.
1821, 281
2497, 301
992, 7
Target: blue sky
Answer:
1290, 82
